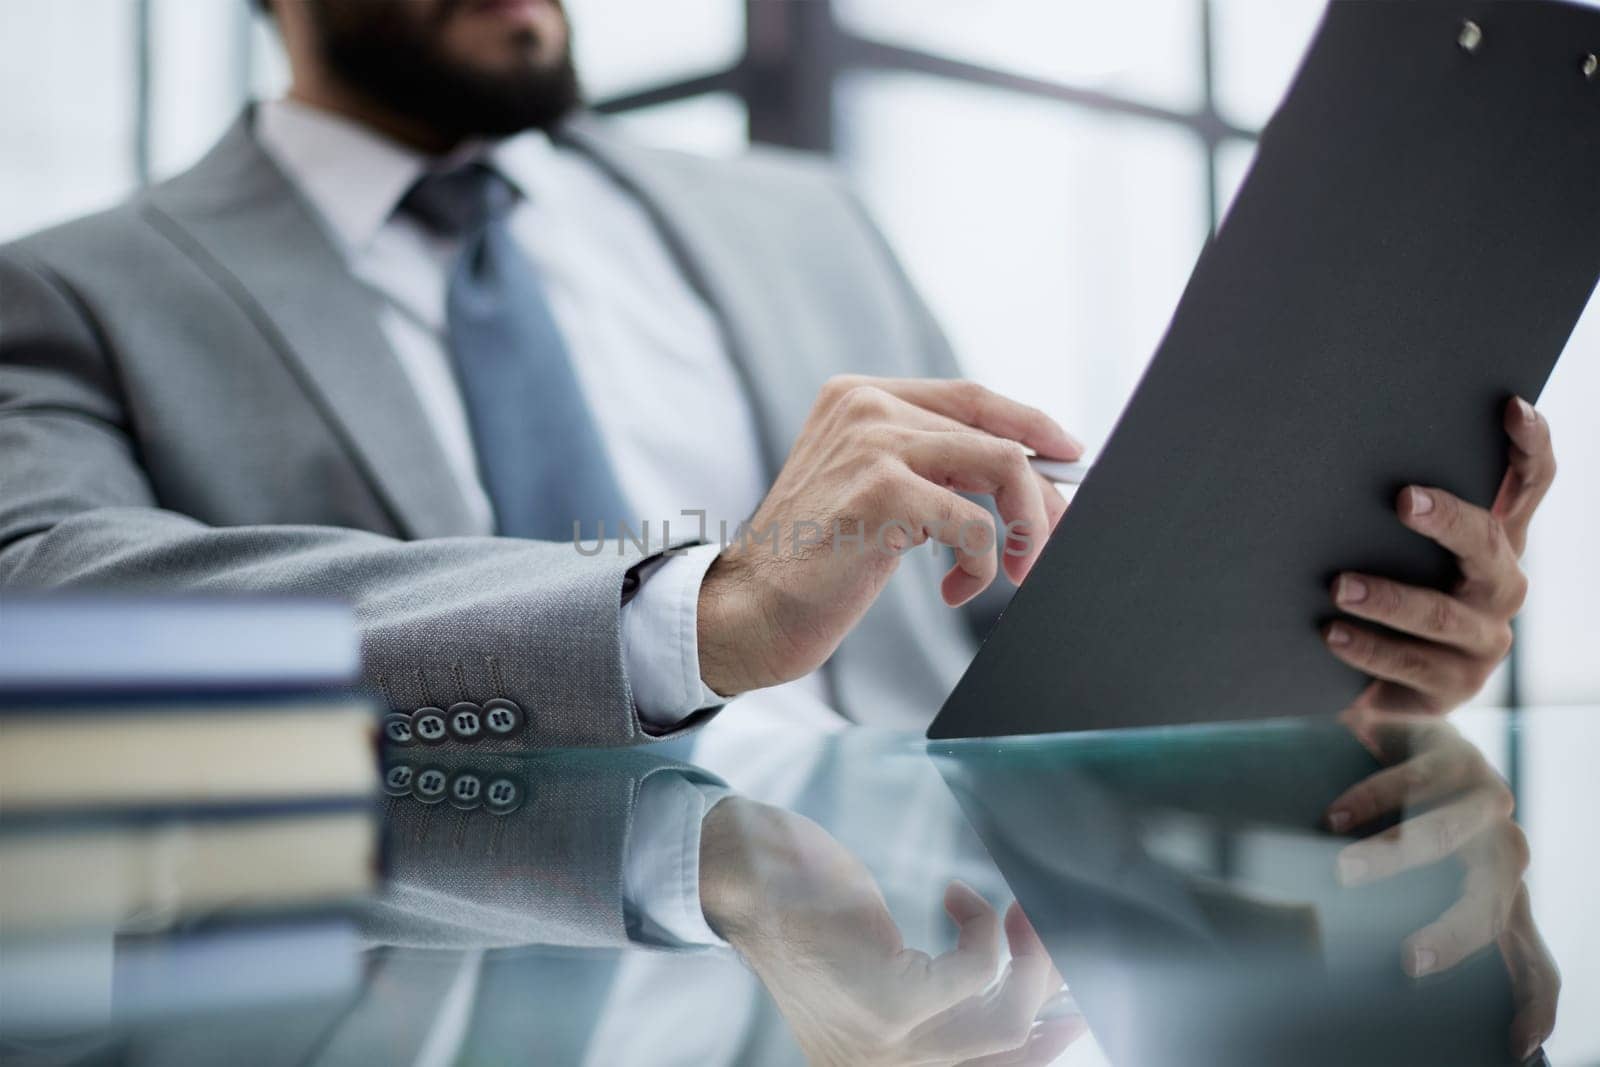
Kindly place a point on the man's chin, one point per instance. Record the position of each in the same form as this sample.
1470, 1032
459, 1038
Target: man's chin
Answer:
469, 75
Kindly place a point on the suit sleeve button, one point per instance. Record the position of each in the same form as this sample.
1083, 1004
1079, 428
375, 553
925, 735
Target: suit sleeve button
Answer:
466, 721
502, 717
429, 726
397, 729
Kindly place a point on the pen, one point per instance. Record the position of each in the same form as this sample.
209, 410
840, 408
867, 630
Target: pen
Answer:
1059, 470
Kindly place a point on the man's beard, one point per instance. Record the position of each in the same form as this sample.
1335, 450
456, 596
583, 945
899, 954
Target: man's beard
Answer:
393, 59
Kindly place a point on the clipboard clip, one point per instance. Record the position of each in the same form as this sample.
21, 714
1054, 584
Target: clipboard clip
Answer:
1471, 39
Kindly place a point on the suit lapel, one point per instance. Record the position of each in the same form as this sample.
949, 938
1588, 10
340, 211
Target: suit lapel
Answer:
779, 386
249, 228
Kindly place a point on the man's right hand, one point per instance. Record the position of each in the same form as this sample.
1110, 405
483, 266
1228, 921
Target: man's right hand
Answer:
878, 469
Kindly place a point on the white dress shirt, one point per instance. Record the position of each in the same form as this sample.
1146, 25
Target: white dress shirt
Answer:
651, 362
646, 350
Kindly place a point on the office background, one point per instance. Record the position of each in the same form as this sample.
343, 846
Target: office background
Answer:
1048, 169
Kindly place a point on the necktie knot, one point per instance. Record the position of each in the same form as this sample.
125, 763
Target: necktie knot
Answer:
460, 202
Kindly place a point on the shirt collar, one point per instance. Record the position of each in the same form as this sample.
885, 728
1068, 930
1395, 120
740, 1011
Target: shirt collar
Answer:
355, 177
524, 161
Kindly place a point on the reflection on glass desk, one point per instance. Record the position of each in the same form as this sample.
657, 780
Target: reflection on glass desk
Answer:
1351, 892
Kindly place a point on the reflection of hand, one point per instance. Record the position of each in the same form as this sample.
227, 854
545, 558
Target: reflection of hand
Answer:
813, 925
1468, 816
883, 461
1454, 640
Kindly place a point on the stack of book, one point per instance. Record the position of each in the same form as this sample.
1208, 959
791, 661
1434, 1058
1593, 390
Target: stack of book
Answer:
187, 805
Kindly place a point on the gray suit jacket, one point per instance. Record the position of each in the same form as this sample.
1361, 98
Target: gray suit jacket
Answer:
195, 395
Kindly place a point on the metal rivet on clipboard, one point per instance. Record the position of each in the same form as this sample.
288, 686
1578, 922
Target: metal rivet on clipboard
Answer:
1471, 37
1591, 66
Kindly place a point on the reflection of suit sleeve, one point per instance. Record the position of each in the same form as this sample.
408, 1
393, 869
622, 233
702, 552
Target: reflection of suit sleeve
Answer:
543, 865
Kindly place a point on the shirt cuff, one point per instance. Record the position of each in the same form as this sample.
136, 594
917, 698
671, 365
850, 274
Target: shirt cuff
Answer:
661, 871
660, 645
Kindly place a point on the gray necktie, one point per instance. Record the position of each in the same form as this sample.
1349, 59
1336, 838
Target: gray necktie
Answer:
540, 453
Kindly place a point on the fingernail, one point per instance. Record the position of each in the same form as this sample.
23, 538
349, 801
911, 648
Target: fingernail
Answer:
1525, 409
1338, 636
1421, 502
1423, 960
1352, 590
1338, 821
1352, 869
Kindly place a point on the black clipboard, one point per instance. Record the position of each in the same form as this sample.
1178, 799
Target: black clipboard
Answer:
1414, 245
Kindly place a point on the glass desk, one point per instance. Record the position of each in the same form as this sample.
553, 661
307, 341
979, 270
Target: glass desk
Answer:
1187, 883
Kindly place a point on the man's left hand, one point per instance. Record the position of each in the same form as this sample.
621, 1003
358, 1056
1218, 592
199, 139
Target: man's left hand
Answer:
1446, 645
